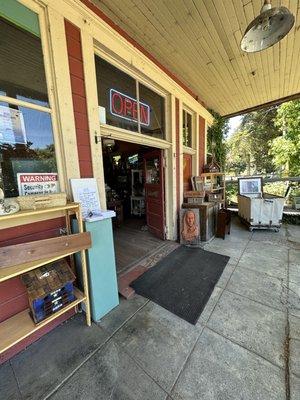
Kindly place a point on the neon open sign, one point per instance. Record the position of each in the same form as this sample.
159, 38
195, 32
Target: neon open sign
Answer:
125, 107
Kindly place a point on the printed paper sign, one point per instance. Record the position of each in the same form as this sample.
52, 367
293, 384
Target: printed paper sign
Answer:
37, 183
85, 192
12, 128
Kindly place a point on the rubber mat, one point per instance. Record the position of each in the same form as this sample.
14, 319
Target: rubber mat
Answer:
183, 281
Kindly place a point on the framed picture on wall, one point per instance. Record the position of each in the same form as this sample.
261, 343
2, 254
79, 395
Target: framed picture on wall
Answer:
189, 226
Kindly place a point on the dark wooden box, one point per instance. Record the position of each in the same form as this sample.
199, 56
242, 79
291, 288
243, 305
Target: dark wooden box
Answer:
208, 213
223, 223
194, 197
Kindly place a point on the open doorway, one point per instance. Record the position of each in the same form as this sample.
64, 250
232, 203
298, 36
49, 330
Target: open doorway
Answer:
134, 185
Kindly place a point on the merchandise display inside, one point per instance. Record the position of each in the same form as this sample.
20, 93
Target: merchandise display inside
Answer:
133, 190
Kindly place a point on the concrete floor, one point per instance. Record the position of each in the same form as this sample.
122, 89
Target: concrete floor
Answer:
140, 351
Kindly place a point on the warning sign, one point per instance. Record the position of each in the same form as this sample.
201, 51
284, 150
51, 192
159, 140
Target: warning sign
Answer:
37, 183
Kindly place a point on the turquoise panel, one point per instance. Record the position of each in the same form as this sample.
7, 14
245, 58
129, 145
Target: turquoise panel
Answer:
20, 15
102, 268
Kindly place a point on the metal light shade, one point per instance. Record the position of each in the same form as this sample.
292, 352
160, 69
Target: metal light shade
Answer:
267, 29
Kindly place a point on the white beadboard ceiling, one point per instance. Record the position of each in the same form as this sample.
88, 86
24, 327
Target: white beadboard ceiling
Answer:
199, 41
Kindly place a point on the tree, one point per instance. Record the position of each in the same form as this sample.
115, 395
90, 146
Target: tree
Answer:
216, 135
286, 148
262, 130
249, 147
239, 152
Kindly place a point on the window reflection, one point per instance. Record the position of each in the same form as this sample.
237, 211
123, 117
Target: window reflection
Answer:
22, 74
187, 129
116, 90
119, 105
156, 126
26, 145
152, 171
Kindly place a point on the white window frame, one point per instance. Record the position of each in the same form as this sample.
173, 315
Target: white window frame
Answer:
189, 149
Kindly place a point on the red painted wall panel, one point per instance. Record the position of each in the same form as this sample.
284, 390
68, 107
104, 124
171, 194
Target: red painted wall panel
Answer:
15, 305
76, 67
81, 124
79, 104
74, 45
12, 286
201, 144
79, 99
77, 85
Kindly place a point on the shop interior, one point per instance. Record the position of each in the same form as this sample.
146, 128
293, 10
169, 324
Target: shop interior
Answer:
123, 164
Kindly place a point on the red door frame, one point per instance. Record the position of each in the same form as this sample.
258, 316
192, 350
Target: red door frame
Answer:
155, 197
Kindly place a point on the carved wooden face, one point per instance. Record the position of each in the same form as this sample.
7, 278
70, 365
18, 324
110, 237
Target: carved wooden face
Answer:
190, 218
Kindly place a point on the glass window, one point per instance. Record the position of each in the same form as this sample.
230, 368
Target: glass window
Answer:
117, 96
22, 74
119, 103
26, 137
26, 145
153, 124
187, 129
152, 171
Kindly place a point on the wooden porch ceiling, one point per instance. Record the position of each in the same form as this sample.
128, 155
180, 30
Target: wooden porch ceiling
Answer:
199, 41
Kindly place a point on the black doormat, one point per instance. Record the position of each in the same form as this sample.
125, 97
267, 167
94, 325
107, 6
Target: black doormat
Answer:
183, 281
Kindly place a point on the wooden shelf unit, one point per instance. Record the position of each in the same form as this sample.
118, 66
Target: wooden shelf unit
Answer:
21, 325
212, 179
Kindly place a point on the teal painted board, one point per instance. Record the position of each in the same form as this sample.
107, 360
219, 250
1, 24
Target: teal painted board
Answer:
103, 285
20, 15
102, 268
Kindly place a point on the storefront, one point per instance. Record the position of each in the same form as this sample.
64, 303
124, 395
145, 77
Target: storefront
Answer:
69, 81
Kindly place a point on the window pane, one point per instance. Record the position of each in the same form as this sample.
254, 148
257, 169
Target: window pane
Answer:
184, 131
26, 145
22, 74
116, 96
187, 129
152, 171
152, 113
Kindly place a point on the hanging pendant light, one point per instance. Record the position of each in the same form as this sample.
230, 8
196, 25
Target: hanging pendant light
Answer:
268, 28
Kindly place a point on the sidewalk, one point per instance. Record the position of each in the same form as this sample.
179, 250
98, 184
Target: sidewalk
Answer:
238, 350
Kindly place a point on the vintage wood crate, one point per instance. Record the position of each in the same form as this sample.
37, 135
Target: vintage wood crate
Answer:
217, 197
35, 202
194, 197
49, 289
